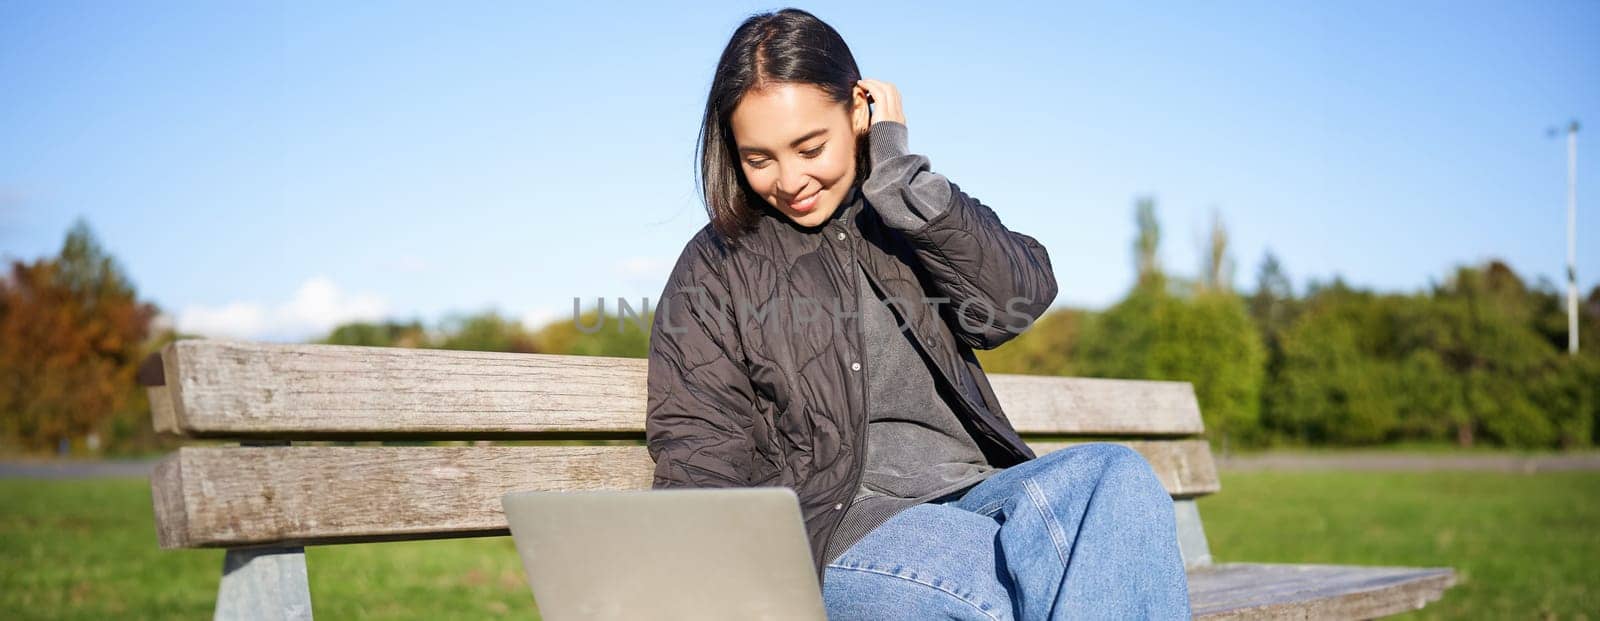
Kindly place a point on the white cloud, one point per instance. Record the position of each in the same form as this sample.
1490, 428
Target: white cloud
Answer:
235, 320
315, 308
540, 317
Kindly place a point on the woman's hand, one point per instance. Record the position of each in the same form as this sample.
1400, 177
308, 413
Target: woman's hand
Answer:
885, 99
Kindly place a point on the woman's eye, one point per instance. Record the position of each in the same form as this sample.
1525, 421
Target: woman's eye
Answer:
756, 163
812, 152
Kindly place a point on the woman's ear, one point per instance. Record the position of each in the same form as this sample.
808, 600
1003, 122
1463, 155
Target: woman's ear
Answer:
860, 114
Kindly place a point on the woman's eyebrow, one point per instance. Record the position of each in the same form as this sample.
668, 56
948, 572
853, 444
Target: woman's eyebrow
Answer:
795, 143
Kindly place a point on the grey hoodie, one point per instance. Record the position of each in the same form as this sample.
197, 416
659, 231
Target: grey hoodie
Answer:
917, 447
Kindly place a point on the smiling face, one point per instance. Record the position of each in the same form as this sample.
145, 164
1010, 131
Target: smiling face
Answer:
797, 148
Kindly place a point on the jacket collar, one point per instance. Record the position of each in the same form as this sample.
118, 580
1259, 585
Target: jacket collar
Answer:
850, 208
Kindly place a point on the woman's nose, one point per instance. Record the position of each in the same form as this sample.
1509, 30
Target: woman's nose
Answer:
790, 186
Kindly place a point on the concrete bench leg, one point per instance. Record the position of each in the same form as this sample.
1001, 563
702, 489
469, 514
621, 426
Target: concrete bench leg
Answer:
1191, 534
264, 583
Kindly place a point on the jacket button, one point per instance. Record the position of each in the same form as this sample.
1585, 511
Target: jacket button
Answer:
855, 366
838, 506
841, 236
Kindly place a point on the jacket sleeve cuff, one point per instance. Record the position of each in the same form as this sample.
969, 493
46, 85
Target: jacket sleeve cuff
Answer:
900, 186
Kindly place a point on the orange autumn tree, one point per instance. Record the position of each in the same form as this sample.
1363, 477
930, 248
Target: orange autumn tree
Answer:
72, 334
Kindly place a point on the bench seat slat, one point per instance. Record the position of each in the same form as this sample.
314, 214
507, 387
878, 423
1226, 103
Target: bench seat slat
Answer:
1228, 591
307, 495
236, 389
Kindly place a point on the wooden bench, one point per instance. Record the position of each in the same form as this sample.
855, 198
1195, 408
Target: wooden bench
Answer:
267, 499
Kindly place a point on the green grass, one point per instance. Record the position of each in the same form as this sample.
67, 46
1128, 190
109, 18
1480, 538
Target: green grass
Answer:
1409, 447
87, 550
1525, 546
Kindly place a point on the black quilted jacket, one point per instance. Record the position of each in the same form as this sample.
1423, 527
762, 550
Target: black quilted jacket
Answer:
749, 387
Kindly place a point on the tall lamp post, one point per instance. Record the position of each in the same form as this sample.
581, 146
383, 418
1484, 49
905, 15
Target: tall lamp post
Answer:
1572, 235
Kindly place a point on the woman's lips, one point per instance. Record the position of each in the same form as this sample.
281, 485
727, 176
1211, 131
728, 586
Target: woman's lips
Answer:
807, 204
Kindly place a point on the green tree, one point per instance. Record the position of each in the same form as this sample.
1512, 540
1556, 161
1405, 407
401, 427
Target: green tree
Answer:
1330, 389
1467, 360
1272, 305
594, 333
1148, 241
379, 334
486, 331
1216, 271
1048, 347
1203, 336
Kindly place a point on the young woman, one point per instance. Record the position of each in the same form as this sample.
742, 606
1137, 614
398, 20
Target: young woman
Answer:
818, 332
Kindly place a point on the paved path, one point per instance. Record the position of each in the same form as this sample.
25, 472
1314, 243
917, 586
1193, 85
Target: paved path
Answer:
76, 469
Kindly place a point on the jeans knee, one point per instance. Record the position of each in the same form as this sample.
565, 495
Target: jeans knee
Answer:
1121, 463
1113, 455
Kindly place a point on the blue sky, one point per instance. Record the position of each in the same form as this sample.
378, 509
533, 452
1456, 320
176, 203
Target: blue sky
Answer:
266, 170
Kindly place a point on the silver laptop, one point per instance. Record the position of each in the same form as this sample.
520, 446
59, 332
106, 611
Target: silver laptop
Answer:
734, 553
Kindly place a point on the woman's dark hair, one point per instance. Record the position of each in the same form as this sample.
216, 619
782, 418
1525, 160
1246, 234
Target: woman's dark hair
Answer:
787, 46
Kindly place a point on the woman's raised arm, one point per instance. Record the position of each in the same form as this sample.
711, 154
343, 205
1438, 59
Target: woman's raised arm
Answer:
998, 281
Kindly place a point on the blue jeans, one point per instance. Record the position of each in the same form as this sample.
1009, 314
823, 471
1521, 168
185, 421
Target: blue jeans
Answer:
1084, 532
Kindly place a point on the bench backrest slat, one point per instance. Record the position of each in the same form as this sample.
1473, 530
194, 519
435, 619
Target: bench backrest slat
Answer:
303, 495
221, 389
